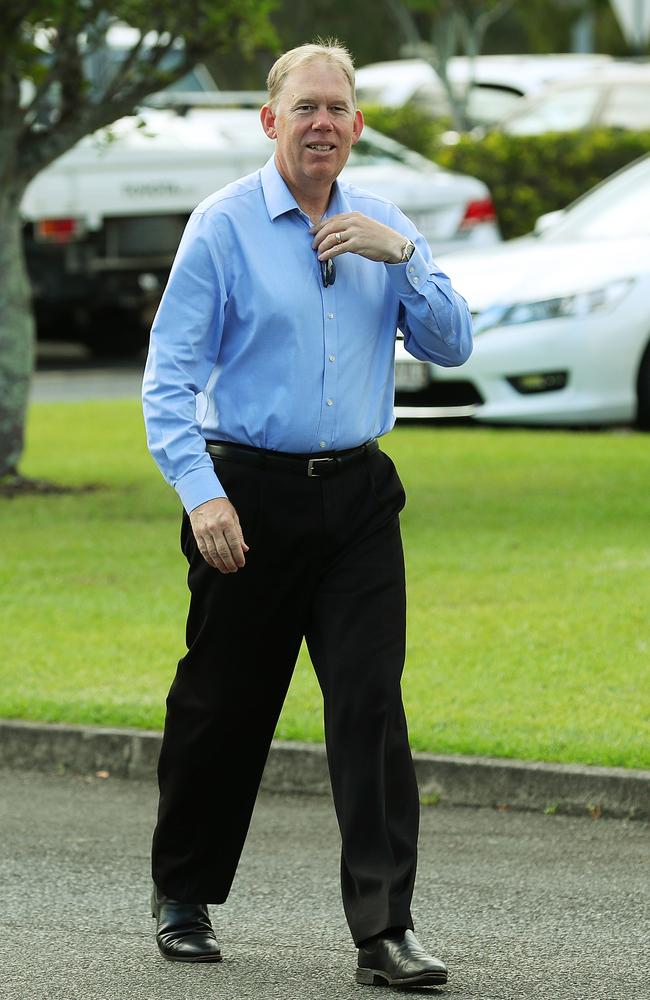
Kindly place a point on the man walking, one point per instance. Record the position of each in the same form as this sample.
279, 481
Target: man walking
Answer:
268, 382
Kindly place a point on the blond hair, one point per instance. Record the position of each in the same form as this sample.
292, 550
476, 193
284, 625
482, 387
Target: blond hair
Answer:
328, 48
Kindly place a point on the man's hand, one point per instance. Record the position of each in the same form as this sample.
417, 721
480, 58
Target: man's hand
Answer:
218, 535
358, 234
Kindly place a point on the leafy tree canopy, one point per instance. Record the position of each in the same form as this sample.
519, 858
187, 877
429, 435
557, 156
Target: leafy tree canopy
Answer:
57, 85
48, 99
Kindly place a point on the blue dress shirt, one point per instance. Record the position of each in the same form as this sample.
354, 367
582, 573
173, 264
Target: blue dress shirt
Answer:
248, 346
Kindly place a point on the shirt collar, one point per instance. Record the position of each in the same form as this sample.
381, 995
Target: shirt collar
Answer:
278, 197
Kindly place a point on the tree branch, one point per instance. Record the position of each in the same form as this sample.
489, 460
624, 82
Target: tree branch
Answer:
68, 71
53, 73
38, 150
491, 14
150, 64
405, 21
69, 66
123, 71
474, 29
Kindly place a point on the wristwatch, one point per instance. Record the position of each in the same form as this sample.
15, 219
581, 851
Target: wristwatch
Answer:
407, 251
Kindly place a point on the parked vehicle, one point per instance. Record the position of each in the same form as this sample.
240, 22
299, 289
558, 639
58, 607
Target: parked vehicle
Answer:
499, 82
103, 222
617, 96
562, 319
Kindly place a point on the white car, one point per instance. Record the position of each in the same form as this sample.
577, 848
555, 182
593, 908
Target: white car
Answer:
562, 320
616, 96
500, 81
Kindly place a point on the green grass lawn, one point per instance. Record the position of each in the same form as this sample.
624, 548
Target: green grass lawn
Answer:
528, 560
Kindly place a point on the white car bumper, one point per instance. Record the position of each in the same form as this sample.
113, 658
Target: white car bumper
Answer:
563, 371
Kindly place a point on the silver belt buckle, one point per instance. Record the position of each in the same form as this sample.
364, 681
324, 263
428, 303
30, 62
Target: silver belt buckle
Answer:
312, 466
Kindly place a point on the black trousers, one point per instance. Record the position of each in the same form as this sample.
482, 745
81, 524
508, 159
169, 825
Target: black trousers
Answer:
325, 563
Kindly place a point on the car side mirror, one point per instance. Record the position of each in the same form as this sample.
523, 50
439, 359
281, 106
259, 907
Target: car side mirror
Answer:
546, 221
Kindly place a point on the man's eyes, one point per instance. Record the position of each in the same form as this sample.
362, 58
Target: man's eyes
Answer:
336, 108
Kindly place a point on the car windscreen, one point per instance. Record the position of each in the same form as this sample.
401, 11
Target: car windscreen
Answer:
617, 208
486, 104
365, 152
375, 149
562, 111
628, 106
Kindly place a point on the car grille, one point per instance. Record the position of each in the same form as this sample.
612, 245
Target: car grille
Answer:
460, 393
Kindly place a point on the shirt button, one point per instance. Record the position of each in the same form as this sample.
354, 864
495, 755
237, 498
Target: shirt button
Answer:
322, 444
330, 315
330, 402
416, 280
411, 270
332, 357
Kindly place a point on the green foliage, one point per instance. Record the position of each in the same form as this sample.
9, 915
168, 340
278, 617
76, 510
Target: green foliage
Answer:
52, 45
531, 175
361, 26
527, 175
467, 10
373, 33
203, 25
410, 125
543, 26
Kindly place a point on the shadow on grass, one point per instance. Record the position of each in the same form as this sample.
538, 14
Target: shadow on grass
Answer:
16, 486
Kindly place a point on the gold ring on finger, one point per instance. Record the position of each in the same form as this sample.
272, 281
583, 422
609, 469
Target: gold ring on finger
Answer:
338, 237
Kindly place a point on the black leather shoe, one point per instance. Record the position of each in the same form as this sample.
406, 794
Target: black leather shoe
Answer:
399, 961
183, 930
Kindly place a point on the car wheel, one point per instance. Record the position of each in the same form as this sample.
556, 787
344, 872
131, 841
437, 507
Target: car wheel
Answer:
643, 392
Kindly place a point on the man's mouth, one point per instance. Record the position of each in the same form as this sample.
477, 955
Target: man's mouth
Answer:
319, 147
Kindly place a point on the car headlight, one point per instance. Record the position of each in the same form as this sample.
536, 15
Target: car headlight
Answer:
597, 300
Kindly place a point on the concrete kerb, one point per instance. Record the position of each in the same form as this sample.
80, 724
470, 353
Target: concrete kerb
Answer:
302, 768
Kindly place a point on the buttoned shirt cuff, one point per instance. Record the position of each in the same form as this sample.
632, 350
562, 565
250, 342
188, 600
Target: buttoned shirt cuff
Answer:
197, 487
410, 277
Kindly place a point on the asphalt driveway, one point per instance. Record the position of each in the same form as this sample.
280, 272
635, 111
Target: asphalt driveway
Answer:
520, 905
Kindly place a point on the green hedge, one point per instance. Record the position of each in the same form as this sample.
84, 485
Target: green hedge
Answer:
531, 175
409, 125
527, 175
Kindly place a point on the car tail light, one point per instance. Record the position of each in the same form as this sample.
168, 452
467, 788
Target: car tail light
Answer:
58, 230
477, 212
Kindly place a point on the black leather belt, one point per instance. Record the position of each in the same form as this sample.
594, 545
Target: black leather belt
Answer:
299, 465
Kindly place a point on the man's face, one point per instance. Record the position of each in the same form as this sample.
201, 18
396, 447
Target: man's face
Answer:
315, 124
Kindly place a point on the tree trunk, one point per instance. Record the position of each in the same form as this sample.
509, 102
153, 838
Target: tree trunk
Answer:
17, 332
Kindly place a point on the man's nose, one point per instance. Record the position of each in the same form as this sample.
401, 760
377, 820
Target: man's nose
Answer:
322, 119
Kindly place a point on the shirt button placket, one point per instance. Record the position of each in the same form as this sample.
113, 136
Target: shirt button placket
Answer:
328, 414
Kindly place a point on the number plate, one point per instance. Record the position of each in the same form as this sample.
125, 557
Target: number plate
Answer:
411, 376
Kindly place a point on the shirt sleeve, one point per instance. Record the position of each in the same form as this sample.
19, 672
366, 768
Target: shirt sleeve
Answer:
434, 318
183, 349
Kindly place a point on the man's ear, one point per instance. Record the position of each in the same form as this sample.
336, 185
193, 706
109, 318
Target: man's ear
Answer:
357, 128
267, 118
